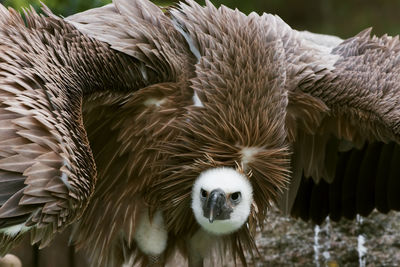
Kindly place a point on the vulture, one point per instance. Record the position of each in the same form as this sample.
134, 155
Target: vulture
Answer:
156, 132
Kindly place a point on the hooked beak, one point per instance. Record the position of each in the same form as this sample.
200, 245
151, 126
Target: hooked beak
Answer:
215, 204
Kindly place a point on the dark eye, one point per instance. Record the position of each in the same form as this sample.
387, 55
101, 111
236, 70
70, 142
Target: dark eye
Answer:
203, 193
235, 197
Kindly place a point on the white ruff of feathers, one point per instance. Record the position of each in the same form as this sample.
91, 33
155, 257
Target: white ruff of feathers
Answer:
230, 181
151, 236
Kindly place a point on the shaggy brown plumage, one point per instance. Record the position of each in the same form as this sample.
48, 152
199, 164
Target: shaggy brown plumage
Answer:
163, 96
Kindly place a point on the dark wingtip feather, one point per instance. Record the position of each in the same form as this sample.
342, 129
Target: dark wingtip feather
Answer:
382, 177
393, 184
335, 189
319, 202
365, 195
349, 185
302, 202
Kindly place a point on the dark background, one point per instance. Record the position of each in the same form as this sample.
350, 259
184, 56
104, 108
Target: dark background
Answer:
343, 18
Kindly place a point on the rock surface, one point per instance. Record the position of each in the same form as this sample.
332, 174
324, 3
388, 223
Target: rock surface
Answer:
290, 242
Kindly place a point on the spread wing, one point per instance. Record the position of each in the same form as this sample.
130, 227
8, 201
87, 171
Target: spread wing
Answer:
49, 68
123, 129
46, 169
344, 124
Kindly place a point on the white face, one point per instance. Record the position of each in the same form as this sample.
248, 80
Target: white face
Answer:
230, 194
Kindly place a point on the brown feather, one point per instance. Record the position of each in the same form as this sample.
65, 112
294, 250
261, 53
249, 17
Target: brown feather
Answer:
46, 68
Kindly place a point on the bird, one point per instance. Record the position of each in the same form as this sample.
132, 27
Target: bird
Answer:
157, 132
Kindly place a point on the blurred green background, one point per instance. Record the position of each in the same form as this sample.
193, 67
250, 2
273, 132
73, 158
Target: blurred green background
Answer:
339, 17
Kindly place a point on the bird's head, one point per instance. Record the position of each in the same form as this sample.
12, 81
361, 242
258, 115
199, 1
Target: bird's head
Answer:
221, 200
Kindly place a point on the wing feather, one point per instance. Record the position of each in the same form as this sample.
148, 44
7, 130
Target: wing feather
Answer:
381, 182
366, 179
124, 129
393, 183
48, 70
335, 196
357, 80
